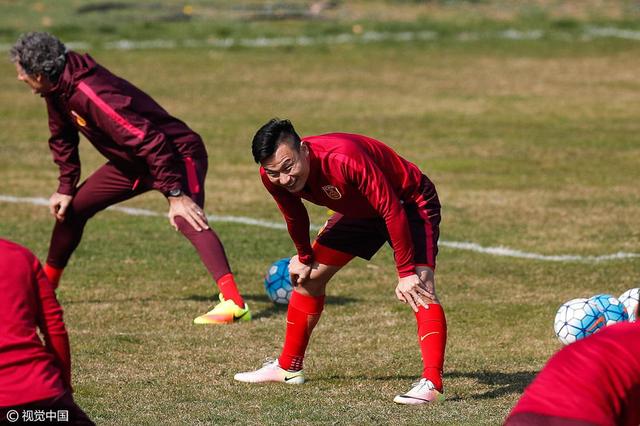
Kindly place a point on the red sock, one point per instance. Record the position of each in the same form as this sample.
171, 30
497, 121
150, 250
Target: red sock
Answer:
229, 289
432, 337
53, 274
302, 316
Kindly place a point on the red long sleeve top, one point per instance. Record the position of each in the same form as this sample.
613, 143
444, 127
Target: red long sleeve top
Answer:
595, 380
30, 369
359, 177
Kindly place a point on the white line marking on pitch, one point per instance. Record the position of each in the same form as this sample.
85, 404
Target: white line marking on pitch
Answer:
459, 245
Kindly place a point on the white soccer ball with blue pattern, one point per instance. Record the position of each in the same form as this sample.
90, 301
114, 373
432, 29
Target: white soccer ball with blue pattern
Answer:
277, 282
630, 299
577, 319
609, 306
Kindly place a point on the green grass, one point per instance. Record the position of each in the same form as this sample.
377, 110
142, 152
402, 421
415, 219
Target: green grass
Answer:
532, 144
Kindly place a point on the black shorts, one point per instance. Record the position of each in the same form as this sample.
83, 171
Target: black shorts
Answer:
342, 238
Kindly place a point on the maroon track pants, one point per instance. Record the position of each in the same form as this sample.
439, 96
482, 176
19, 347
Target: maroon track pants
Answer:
110, 185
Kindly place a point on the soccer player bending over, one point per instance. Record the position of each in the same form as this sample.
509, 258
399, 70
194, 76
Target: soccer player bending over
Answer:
378, 196
146, 149
33, 376
594, 381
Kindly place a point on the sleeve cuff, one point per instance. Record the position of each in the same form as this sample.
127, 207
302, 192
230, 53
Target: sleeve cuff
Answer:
405, 271
66, 189
165, 188
307, 259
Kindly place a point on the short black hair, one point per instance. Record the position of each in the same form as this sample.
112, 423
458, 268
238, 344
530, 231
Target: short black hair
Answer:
269, 136
39, 54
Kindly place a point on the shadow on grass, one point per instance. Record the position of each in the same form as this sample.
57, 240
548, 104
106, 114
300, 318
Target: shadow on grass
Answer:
501, 383
273, 309
212, 300
329, 300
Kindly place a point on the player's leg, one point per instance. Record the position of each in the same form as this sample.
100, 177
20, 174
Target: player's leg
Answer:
106, 186
424, 220
432, 332
432, 339
340, 240
305, 308
211, 251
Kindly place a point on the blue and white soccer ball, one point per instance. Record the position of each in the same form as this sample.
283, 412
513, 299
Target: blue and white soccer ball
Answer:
577, 319
609, 306
630, 299
277, 282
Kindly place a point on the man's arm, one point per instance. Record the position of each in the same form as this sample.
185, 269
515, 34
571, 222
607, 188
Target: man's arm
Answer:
367, 177
63, 144
295, 215
373, 184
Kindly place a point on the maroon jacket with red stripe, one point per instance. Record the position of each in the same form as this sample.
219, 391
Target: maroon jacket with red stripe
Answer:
121, 121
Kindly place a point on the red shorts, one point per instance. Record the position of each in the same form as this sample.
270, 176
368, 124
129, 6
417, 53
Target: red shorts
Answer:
342, 238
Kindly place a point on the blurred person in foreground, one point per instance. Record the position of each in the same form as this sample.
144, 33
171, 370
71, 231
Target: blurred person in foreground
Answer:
378, 197
33, 375
146, 149
594, 381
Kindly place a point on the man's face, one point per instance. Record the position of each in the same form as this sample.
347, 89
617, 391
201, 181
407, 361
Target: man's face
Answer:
288, 167
39, 84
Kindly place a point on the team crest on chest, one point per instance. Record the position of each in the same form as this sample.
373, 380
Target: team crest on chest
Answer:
332, 192
79, 120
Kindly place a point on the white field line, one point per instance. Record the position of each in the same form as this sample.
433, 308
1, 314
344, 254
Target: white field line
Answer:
344, 38
459, 245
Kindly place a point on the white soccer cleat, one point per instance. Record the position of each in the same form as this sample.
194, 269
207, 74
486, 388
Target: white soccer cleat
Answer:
422, 392
271, 372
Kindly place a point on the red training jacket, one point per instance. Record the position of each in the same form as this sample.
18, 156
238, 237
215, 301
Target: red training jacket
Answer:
359, 177
122, 122
29, 370
595, 380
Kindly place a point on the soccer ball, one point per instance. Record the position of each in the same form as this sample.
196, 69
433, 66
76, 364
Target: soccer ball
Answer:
277, 282
630, 300
609, 306
577, 319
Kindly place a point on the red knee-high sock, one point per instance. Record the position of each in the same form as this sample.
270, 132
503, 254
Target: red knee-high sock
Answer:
229, 289
432, 337
302, 316
53, 274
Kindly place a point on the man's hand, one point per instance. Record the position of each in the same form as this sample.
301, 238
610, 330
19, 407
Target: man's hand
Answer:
186, 208
414, 292
58, 205
298, 271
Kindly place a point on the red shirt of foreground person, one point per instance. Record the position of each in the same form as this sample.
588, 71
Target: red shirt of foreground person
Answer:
595, 381
32, 374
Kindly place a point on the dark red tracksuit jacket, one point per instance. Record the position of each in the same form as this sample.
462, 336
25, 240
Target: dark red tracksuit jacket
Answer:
122, 122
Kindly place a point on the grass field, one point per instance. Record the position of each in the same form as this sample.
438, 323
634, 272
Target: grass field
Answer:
532, 143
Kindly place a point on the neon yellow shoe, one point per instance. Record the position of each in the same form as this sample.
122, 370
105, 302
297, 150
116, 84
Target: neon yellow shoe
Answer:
225, 312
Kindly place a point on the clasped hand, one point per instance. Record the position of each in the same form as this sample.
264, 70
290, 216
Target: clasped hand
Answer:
414, 292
